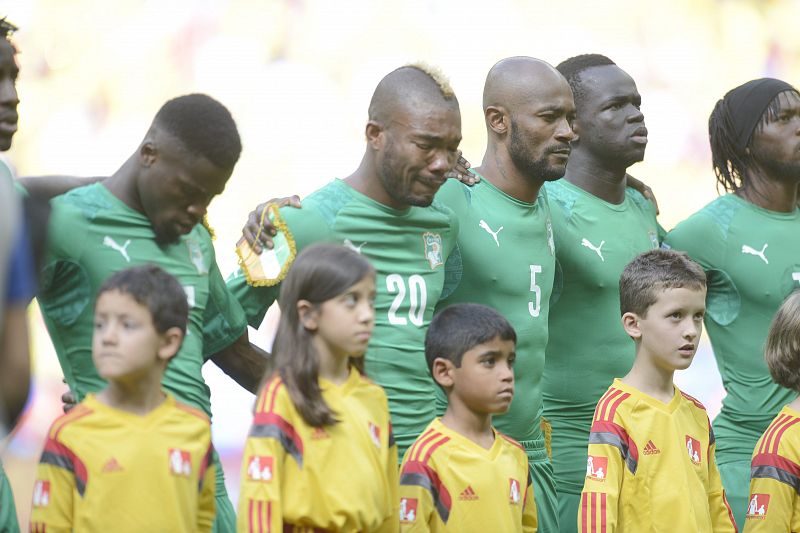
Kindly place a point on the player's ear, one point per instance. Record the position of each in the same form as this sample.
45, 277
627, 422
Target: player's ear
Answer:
375, 134
148, 153
497, 119
630, 322
171, 341
442, 372
308, 314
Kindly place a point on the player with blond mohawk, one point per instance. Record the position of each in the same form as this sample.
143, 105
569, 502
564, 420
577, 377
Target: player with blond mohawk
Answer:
386, 211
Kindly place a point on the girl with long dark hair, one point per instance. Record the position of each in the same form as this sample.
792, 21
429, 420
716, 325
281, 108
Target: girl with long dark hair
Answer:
320, 453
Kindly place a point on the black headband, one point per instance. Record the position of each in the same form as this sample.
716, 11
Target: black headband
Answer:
747, 103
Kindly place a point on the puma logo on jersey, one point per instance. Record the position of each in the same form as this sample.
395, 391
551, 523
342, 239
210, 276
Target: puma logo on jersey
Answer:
349, 244
752, 251
597, 249
111, 243
485, 226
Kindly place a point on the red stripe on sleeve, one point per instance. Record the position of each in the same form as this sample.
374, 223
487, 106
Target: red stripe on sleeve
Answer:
584, 503
789, 423
421, 443
730, 513
604, 401
594, 512
250, 516
765, 442
432, 448
617, 402
603, 513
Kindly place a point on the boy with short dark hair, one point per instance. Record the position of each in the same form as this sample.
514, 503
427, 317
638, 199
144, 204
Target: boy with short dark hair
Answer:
461, 474
650, 464
130, 458
774, 503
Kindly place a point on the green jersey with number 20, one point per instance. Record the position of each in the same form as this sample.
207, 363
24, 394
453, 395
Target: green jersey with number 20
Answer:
408, 249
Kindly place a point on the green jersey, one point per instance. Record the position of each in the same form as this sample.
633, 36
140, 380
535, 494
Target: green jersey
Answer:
94, 234
506, 249
588, 347
752, 259
408, 249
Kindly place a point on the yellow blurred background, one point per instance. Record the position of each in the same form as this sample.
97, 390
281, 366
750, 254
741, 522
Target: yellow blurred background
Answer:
297, 76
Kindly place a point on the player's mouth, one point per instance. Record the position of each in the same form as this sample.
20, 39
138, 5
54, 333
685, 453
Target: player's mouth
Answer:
507, 394
687, 349
363, 336
433, 183
640, 135
8, 123
562, 151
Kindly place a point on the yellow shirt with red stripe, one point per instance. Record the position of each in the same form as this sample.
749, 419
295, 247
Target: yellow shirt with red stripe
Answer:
338, 478
651, 467
103, 469
775, 477
450, 483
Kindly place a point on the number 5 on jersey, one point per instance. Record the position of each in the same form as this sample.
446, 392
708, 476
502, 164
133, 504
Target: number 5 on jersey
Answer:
417, 299
535, 306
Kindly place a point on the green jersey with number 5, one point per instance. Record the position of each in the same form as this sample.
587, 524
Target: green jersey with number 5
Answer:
752, 259
507, 252
408, 249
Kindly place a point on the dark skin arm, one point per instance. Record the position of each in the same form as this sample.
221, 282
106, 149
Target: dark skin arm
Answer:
244, 362
251, 228
15, 364
51, 186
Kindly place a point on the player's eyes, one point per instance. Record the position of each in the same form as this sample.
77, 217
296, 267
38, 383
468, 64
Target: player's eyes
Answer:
489, 361
423, 146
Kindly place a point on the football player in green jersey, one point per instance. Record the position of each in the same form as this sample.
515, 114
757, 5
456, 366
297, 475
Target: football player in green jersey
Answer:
386, 211
505, 256
600, 225
14, 357
748, 241
150, 211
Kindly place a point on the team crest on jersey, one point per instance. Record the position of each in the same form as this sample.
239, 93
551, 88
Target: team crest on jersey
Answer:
551, 243
758, 506
693, 447
375, 434
433, 249
597, 467
41, 493
514, 493
408, 510
653, 238
196, 256
180, 462
259, 468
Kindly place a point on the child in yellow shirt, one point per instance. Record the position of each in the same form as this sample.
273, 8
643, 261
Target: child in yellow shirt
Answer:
130, 458
461, 474
320, 453
650, 463
774, 503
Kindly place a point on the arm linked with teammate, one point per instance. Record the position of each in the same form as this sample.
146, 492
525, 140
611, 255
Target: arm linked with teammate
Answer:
47, 187
244, 362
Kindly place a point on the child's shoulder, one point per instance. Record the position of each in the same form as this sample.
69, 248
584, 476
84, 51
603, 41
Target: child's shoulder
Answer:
692, 401
191, 413
431, 443
273, 394
615, 403
508, 442
70, 421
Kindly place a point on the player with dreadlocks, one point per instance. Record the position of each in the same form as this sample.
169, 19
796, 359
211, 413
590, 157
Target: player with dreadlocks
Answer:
748, 242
